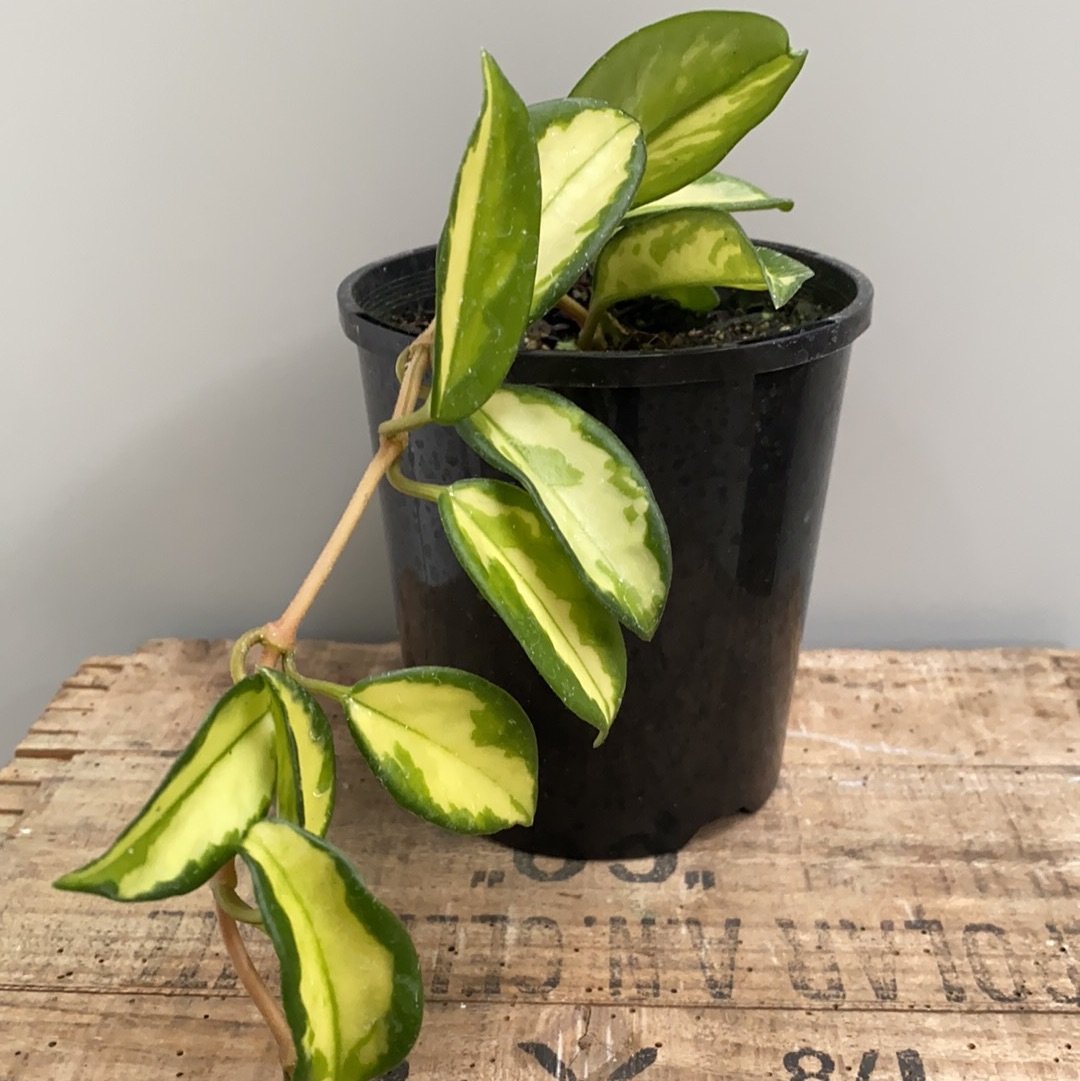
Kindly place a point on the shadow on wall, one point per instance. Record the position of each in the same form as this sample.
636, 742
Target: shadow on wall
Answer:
203, 527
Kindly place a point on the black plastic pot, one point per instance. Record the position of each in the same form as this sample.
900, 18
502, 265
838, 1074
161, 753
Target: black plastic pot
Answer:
737, 443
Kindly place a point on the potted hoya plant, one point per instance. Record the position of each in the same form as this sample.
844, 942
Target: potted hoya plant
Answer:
596, 398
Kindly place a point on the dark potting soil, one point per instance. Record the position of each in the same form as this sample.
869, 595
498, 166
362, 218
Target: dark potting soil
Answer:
653, 324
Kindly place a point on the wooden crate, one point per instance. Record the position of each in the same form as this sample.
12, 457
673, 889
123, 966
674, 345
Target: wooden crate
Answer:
905, 908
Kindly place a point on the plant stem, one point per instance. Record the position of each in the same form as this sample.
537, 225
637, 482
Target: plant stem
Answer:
572, 309
241, 648
416, 488
337, 691
249, 976
416, 419
229, 901
281, 634
592, 324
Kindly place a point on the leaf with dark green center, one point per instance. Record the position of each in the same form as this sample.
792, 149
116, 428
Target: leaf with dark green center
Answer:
687, 249
487, 255
350, 978
219, 786
450, 746
521, 568
305, 754
591, 491
718, 192
591, 160
697, 83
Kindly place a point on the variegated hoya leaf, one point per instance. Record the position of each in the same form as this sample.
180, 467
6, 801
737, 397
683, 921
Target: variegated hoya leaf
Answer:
450, 746
591, 160
783, 274
219, 786
684, 248
350, 978
697, 83
591, 491
524, 573
305, 754
487, 255
694, 298
718, 191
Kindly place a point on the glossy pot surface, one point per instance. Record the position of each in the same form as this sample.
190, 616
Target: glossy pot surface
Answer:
737, 443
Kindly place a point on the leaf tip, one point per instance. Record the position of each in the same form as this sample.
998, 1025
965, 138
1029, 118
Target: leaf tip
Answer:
70, 881
77, 882
489, 66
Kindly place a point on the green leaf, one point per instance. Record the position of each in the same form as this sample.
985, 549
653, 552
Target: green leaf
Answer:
718, 191
305, 754
784, 275
591, 160
524, 573
693, 298
591, 491
450, 746
697, 83
350, 979
219, 786
487, 255
687, 248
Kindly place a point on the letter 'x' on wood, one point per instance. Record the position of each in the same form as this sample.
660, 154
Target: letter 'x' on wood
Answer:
636, 1064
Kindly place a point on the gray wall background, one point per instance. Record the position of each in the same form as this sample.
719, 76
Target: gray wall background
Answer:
185, 184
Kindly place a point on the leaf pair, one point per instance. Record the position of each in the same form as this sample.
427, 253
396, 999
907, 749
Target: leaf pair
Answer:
538, 192
265, 737
539, 558
582, 548
450, 746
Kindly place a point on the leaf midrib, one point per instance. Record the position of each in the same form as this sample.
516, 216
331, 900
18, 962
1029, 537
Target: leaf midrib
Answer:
323, 968
442, 747
599, 699
153, 830
701, 102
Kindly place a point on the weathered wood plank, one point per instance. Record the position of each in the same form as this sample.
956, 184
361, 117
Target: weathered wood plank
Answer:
815, 901
74, 1037
911, 889
914, 815
997, 706
1000, 706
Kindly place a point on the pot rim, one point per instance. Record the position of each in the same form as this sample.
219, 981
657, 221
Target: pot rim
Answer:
622, 368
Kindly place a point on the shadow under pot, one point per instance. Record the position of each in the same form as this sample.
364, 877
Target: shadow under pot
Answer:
736, 442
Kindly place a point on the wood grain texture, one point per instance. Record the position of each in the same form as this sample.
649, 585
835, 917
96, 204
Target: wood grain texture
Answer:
906, 906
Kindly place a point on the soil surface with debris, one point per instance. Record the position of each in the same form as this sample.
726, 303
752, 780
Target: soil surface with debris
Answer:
652, 324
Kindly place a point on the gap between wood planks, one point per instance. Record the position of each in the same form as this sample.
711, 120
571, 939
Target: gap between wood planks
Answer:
634, 1005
